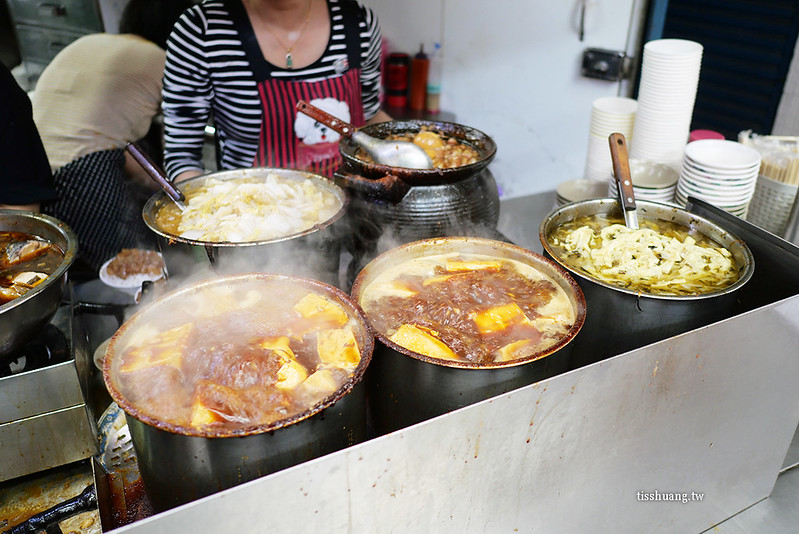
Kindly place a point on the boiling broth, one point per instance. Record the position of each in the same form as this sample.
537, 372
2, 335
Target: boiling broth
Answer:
237, 355
468, 307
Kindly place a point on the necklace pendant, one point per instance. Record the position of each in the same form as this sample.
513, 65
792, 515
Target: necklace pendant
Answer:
289, 60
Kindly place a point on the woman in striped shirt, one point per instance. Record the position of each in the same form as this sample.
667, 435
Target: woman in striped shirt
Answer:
246, 63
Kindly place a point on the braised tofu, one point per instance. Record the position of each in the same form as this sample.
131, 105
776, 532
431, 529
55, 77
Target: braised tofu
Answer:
499, 318
421, 340
163, 349
338, 348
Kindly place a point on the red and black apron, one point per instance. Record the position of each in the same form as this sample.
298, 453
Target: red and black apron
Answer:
280, 145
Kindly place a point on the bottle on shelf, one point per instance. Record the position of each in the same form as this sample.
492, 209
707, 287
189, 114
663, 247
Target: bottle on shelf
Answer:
432, 102
397, 80
420, 65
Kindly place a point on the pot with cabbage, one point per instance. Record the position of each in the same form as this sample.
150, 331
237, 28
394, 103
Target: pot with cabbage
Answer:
677, 272
276, 220
233, 378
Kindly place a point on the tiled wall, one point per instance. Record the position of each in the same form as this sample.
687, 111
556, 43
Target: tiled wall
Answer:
512, 69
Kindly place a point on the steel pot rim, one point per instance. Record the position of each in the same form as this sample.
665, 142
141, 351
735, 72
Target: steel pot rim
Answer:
561, 275
69, 254
159, 198
353, 310
735, 245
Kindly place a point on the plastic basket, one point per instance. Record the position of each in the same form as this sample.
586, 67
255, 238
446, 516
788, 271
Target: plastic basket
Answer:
771, 205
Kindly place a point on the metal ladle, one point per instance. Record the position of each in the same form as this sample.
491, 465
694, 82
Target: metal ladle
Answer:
392, 153
158, 175
621, 169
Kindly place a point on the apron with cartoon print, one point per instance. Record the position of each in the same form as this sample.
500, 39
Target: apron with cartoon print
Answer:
290, 139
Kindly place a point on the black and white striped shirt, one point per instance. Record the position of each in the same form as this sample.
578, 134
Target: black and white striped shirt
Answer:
207, 72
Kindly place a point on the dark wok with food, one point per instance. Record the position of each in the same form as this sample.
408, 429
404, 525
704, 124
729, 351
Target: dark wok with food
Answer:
482, 144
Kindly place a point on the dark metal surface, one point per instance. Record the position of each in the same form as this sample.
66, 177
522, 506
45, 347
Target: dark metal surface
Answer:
177, 469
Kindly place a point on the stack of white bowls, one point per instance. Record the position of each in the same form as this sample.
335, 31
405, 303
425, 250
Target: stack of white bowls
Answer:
666, 97
608, 115
656, 182
723, 173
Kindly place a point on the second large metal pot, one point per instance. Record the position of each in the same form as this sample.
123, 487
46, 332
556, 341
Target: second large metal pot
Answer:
180, 464
620, 320
406, 387
23, 317
314, 252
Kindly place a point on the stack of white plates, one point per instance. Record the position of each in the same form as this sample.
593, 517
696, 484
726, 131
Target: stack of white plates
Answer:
723, 173
609, 115
666, 96
575, 190
652, 181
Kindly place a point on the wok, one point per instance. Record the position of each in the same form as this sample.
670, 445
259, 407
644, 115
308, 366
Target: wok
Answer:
23, 317
354, 167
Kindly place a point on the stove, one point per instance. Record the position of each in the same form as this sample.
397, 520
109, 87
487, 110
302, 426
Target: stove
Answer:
44, 420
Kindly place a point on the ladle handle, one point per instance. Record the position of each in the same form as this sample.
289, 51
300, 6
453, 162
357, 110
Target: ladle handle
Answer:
326, 118
621, 168
155, 172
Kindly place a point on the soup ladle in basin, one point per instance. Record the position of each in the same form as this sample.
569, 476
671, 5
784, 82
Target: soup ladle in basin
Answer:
157, 174
383, 151
621, 169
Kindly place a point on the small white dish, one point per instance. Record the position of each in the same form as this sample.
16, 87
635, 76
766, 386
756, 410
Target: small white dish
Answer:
132, 284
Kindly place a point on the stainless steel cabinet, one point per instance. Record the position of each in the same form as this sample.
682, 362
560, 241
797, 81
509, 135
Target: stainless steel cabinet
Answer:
44, 27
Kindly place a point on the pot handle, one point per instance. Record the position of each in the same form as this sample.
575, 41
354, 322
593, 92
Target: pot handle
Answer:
101, 308
326, 118
389, 188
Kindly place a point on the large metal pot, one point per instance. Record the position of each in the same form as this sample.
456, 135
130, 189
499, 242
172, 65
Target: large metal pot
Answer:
179, 465
314, 252
406, 387
24, 316
620, 320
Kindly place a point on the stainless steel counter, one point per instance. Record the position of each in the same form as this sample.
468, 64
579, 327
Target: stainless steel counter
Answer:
683, 435
779, 512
